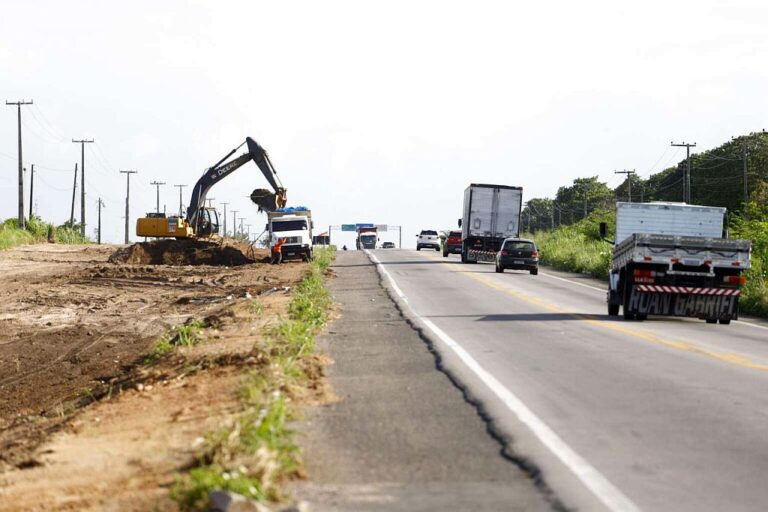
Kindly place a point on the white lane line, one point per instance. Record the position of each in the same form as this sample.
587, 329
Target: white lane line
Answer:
598, 484
573, 282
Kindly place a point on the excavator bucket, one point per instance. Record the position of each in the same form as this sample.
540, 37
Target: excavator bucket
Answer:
268, 201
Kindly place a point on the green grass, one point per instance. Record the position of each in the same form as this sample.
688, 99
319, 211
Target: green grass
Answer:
578, 248
256, 452
37, 231
185, 335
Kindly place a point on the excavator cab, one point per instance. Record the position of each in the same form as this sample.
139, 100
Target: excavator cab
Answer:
207, 222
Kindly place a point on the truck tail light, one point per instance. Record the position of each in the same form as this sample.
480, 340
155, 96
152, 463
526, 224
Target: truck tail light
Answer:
647, 258
736, 279
643, 273
706, 262
736, 263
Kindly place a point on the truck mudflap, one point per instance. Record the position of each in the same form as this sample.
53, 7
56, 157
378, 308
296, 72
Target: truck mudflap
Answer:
474, 255
704, 303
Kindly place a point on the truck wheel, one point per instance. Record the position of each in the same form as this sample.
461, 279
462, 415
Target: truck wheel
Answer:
437, 249
711, 320
534, 271
641, 316
725, 321
418, 247
499, 269
613, 310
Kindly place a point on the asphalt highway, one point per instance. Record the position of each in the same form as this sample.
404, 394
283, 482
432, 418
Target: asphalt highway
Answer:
666, 414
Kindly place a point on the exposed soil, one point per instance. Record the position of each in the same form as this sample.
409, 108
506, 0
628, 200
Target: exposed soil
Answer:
74, 328
189, 252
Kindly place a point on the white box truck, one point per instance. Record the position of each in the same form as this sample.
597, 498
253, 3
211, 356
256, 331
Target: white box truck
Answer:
292, 227
672, 259
491, 213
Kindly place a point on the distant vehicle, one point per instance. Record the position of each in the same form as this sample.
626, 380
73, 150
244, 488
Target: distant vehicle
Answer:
672, 259
388, 245
292, 228
427, 239
452, 244
518, 254
366, 238
491, 214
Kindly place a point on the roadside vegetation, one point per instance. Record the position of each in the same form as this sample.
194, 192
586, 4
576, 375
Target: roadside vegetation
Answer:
186, 335
37, 231
257, 451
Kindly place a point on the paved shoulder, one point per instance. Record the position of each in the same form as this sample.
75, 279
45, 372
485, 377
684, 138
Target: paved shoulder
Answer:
402, 437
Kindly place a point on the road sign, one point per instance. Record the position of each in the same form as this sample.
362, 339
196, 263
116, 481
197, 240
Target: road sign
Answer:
358, 226
348, 227
381, 227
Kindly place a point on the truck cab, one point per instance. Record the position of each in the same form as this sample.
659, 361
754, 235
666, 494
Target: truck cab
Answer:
294, 227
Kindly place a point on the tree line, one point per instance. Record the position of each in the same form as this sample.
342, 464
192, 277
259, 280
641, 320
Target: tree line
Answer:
717, 179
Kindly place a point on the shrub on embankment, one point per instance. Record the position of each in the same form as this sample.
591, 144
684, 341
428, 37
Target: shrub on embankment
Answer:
37, 231
578, 248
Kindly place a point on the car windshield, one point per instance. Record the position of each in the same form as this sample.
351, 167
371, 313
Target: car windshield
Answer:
519, 246
427, 232
289, 225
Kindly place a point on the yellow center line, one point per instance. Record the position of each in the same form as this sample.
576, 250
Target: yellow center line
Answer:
685, 346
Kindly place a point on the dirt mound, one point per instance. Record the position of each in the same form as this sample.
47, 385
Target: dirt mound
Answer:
188, 252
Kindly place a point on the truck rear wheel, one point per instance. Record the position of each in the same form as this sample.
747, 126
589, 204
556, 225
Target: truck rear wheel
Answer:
613, 310
725, 321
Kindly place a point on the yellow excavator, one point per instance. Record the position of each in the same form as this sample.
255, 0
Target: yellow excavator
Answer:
203, 222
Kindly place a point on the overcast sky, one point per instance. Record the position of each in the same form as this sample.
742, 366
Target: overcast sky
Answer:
370, 112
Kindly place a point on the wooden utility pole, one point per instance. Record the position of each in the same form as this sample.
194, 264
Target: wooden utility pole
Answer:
21, 171
82, 143
687, 177
157, 186
225, 219
31, 189
248, 235
127, 201
234, 223
629, 181
181, 206
72, 212
101, 204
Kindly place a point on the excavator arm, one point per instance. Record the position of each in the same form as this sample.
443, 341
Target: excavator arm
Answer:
265, 199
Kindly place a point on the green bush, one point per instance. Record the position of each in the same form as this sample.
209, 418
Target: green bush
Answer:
38, 231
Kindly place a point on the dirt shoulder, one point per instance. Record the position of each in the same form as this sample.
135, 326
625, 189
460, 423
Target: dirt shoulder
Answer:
75, 329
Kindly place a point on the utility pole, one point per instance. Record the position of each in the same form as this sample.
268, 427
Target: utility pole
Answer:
72, 212
687, 177
248, 233
127, 200
82, 143
234, 223
157, 187
181, 207
21, 171
101, 204
744, 166
241, 225
225, 218
552, 220
629, 181
31, 189
210, 201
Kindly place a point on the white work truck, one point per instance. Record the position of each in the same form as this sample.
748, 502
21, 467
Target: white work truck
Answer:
672, 259
293, 227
